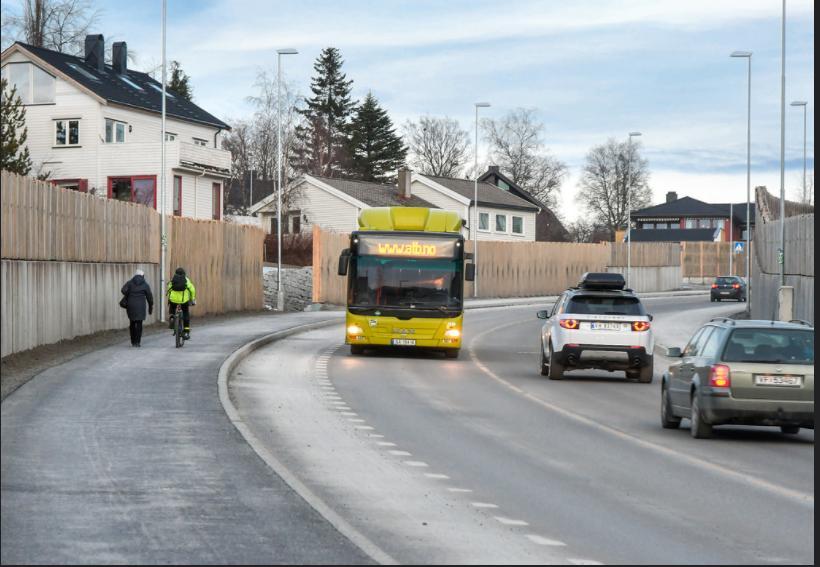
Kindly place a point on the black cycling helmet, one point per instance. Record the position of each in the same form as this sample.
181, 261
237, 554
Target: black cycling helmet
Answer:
180, 271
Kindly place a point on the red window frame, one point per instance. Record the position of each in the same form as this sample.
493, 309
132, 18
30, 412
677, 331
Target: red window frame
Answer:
216, 200
177, 212
132, 178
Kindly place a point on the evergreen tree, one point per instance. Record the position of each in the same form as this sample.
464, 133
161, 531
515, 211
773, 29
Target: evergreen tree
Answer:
14, 154
375, 150
322, 139
180, 82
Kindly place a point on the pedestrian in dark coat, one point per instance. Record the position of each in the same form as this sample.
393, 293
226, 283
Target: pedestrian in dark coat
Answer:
138, 293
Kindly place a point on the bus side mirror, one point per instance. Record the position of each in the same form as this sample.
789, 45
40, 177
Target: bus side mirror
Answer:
469, 272
344, 261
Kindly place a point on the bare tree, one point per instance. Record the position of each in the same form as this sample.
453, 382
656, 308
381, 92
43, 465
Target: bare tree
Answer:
240, 143
586, 231
60, 25
517, 147
437, 146
613, 172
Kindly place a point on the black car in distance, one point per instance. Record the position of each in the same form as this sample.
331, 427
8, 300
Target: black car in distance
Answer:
728, 287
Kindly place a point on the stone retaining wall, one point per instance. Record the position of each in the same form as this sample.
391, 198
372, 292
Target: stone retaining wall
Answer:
297, 284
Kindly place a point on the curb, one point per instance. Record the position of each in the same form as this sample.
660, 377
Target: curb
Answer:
358, 539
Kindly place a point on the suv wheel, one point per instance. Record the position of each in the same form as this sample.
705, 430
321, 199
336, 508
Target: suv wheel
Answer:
647, 372
556, 369
544, 367
790, 429
699, 429
668, 419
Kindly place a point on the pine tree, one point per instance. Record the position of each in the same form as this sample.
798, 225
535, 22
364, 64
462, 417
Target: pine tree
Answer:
14, 154
375, 150
322, 139
180, 82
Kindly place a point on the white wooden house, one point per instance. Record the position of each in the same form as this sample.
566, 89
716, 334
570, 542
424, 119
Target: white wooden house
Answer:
335, 204
97, 128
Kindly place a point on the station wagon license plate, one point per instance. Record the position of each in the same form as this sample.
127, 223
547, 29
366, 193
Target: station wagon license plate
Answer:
777, 380
603, 326
403, 342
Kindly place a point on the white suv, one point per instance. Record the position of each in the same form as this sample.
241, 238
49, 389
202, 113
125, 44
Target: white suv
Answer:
598, 324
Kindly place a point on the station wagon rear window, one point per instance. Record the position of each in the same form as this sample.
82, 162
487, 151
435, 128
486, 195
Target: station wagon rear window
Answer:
774, 346
604, 305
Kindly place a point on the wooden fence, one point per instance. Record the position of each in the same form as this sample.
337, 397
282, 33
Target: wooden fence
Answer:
224, 261
711, 259
43, 222
66, 255
646, 254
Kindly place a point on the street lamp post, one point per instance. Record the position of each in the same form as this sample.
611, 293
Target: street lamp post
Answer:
803, 103
474, 226
280, 294
163, 240
783, 148
629, 208
748, 56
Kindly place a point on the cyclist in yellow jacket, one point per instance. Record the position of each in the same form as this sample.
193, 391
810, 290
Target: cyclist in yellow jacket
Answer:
181, 294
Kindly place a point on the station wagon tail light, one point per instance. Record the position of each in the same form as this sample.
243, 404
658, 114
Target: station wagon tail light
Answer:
714, 286
720, 377
640, 326
569, 323
736, 286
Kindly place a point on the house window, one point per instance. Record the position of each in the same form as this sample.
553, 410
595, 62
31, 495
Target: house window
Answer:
705, 223
114, 131
296, 222
483, 221
141, 189
518, 225
662, 225
177, 195
501, 223
80, 185
691, 223
67, 132
273, 225
201, 142
34, 85
503, 185
216, 189
169, 137
649, 225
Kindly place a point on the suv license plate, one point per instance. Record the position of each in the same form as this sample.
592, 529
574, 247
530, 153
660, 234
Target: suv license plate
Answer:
403, 342
596, 326
777, 380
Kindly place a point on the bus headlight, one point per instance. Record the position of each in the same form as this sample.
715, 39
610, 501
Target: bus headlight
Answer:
452, 333
354, 330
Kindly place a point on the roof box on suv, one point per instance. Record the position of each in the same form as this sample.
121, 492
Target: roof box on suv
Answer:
602, 280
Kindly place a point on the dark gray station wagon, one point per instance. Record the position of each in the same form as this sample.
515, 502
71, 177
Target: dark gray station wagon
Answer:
742, 372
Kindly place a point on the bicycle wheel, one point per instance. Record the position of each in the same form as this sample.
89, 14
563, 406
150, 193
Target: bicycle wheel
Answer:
179, 335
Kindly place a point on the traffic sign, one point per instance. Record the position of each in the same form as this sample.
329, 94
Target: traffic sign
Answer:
738, 247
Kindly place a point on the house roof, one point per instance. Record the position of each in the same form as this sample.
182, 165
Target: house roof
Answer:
674, 235
374, 194
689, 207
488, 194
111, 87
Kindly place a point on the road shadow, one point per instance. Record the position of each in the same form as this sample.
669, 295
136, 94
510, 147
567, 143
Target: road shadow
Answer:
749, 433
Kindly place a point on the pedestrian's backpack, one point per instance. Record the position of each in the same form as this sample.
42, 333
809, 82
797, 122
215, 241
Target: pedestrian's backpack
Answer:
179, 282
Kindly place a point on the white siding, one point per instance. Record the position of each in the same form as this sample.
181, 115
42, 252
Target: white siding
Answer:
320, 207
492, 234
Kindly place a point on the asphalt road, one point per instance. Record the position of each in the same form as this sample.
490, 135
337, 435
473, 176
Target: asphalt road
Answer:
483, 460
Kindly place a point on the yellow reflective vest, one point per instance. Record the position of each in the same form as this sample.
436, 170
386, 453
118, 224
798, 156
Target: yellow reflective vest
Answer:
189, 294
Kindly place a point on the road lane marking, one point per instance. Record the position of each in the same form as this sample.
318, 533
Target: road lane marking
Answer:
539, 540
364, 427
385, 444
510, 521
486, 505
349, 413
437, 476
800, 497
376, 435
355, 420
420, 464
398, 453
459, 490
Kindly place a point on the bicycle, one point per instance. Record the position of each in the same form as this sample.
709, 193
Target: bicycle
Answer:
178, 326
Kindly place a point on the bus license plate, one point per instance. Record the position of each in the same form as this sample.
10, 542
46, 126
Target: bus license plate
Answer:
776, 380
403, 342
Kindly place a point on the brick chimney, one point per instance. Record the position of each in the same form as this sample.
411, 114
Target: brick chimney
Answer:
404, 182
493, 169
671, 196
119, 57
95, 51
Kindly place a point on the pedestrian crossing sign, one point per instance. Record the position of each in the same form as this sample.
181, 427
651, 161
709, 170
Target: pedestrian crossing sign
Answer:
738, 247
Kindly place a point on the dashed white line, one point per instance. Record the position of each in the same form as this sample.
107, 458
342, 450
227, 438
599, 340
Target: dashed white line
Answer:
483, 505
385, 444
400, 453
349, 413
376, 435
459, 490
537, 539
355, 420
364, 427
437, 476
510, 521
420, 464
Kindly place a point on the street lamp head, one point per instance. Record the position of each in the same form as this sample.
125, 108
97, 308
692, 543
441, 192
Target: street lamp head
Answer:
632, 134
799, 103
482, 104
287, 51
741, 54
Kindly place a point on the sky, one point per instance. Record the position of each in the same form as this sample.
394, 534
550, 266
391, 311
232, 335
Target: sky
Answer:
592, 70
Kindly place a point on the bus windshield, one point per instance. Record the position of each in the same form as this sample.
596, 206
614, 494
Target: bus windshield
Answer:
405, 282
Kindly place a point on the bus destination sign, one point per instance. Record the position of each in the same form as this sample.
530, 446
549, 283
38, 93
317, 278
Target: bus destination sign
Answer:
396, 246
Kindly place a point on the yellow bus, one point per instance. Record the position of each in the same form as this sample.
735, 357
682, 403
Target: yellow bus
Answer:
405, 273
